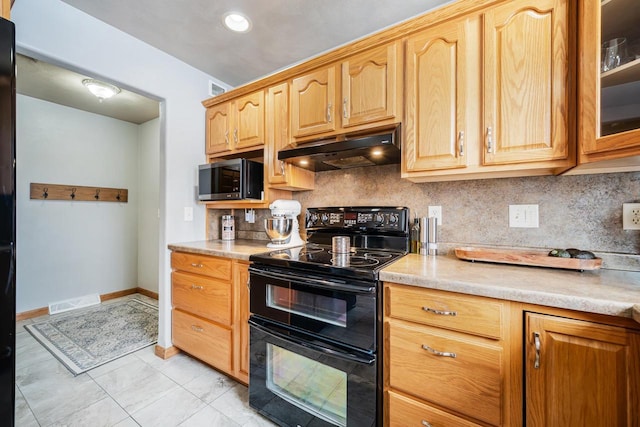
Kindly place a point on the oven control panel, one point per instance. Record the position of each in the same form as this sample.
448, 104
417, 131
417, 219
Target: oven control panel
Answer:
392, 219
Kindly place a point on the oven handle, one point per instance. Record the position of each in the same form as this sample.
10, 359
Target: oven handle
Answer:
322, 284
340, 355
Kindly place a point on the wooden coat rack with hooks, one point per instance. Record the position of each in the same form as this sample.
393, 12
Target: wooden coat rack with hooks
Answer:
78, 193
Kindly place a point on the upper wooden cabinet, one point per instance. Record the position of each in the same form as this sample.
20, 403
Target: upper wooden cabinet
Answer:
363, 90
235, 125
521, 125
609, 85
580, 373
372, 86
526, 81
313, 103
436, 118
280, 174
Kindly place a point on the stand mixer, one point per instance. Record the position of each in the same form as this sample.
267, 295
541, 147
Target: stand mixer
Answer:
283, 227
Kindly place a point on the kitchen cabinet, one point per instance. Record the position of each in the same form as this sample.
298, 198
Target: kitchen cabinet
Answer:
210, 310
364, 89
372, 86
447, 358
609, 86
522, 125
5, 9
580, 373
313, 102
280, 174
235, 125
439, 78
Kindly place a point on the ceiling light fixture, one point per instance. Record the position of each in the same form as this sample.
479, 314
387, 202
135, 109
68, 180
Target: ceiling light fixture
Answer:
101, 89
237, 22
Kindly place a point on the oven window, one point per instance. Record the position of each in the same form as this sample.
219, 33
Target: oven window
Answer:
316, 388
324, 308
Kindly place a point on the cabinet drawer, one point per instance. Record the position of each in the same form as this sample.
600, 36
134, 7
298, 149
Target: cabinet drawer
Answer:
202, 264
404, 411
469, 383
204, 297
474, 315
206, 341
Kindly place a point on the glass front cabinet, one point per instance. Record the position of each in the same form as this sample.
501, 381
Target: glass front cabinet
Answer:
609, 83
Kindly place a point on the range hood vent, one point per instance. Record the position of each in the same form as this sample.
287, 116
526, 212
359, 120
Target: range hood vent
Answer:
380, 148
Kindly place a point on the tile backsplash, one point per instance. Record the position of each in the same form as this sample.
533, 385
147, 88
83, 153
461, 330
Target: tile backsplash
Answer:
583, 211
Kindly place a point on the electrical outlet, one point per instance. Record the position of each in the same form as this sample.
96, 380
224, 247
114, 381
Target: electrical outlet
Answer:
435, 211
523, 216
631, 216
188, 213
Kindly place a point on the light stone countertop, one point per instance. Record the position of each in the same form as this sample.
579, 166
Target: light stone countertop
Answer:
611, 292
237, 249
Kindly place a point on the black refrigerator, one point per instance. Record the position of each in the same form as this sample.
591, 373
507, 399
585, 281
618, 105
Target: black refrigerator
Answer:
7, 221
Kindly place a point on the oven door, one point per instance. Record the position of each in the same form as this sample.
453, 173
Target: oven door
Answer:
336, 310
297, 379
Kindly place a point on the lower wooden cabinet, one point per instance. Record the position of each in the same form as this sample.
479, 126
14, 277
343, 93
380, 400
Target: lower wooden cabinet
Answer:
210, 311
405, 411
581, 373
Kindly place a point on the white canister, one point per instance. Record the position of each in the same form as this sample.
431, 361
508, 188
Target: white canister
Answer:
228, 232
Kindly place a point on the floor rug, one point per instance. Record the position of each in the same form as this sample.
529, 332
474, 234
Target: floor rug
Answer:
97, 335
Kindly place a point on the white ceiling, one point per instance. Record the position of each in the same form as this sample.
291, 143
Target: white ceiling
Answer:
284, 32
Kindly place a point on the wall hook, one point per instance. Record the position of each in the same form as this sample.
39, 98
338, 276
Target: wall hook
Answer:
97, 196
73, 193
118, 196
45, 193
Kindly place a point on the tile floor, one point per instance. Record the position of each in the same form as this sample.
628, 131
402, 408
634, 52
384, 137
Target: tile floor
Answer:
139, 389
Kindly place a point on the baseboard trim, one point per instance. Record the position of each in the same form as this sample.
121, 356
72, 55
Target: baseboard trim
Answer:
43, 311
165, 353
32, 313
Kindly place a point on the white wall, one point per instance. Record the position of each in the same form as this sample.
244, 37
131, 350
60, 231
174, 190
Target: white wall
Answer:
72, 248
57, 32
148, 204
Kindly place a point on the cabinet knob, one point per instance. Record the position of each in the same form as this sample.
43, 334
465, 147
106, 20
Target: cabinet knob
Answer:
440, 312
196, 328
438, 353
197, 287
329, 113
196, 265
226, 137
426, 423
344, 108
235, 135
282, 170
461, 142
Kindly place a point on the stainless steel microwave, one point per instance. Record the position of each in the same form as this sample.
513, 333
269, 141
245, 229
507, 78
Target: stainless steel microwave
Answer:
235, 179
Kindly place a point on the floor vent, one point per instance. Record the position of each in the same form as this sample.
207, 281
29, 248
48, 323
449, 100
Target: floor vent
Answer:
74, 303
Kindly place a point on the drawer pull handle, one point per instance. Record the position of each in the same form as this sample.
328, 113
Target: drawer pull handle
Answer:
426, 423
193, 264
438, 353
536, 341
197, 287
440, 312
197, 328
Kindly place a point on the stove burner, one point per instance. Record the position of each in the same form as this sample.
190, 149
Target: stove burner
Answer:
354, 261
351, 252
310, 250
377, 255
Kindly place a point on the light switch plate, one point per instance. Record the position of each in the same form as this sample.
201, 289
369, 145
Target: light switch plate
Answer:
188, 213
435, 211
523, 216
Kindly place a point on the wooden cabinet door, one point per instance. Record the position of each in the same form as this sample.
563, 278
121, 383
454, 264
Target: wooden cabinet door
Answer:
277, 132
604, 128
218, 125
371, 83
526, 81
435, 123
249, 126
241, 362
580, 373
5, 9
313, 103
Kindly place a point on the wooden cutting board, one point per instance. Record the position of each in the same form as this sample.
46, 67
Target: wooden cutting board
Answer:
525, 257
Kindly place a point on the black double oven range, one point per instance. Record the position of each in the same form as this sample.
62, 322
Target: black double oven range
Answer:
316, 323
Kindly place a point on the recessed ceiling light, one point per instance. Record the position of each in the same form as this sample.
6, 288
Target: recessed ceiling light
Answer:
304, 162
237, 22
377, 152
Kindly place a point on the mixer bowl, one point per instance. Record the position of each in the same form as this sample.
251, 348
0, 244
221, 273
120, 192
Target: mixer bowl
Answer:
278, 228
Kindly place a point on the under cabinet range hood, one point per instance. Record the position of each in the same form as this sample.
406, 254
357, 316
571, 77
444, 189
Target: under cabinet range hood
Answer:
347, 151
